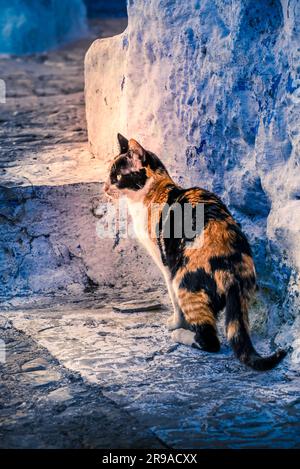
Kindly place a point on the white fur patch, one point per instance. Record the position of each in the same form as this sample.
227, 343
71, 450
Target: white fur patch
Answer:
139, 215
184, 336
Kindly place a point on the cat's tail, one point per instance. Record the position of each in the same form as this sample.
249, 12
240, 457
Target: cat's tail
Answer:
238, 335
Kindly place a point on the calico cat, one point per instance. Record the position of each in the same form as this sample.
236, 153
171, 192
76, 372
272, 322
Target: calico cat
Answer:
201, 279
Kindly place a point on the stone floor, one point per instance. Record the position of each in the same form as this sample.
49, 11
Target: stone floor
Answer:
45, 405
180, 397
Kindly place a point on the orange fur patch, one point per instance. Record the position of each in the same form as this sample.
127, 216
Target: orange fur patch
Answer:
244, 310
195, 307
233, 329
246, 267
224, 280
216, 242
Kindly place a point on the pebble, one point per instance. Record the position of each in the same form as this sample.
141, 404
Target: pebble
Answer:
43, 378
60, 395
5, 323
35, 365
136, 307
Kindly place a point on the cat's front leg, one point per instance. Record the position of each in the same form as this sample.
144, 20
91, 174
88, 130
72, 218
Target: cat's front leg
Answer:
176, 321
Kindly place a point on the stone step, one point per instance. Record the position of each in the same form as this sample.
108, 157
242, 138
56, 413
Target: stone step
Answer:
49, 243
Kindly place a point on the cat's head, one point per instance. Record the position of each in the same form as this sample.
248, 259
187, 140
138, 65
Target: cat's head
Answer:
131, 169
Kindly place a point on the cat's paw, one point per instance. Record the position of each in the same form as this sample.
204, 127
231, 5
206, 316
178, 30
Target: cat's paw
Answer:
184, 336
172, 323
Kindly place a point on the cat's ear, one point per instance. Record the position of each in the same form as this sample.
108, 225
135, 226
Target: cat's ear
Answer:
123, 144
137, 151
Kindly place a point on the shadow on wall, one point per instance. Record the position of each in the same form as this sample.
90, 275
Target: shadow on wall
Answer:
104, 8
28, 26
32, 26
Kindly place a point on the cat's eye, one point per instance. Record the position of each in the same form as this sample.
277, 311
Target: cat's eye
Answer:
119, 176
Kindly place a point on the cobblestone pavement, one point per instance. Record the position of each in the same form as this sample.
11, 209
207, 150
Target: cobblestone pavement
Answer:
186, 398
45, 405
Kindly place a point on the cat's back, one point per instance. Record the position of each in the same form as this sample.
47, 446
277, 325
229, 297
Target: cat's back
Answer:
218, 247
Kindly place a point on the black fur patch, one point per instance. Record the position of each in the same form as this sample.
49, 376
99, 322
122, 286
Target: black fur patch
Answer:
123, 143
240, 243
133, 181
201, 281
174, 194
225, 262
120, 163
246, 284
214, 209
213, 212
207, 338
241, 342
229, 264
154, 162
171, 248
233, 304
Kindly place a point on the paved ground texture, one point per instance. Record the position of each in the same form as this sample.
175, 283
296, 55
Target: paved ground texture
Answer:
186, 398
45, 405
